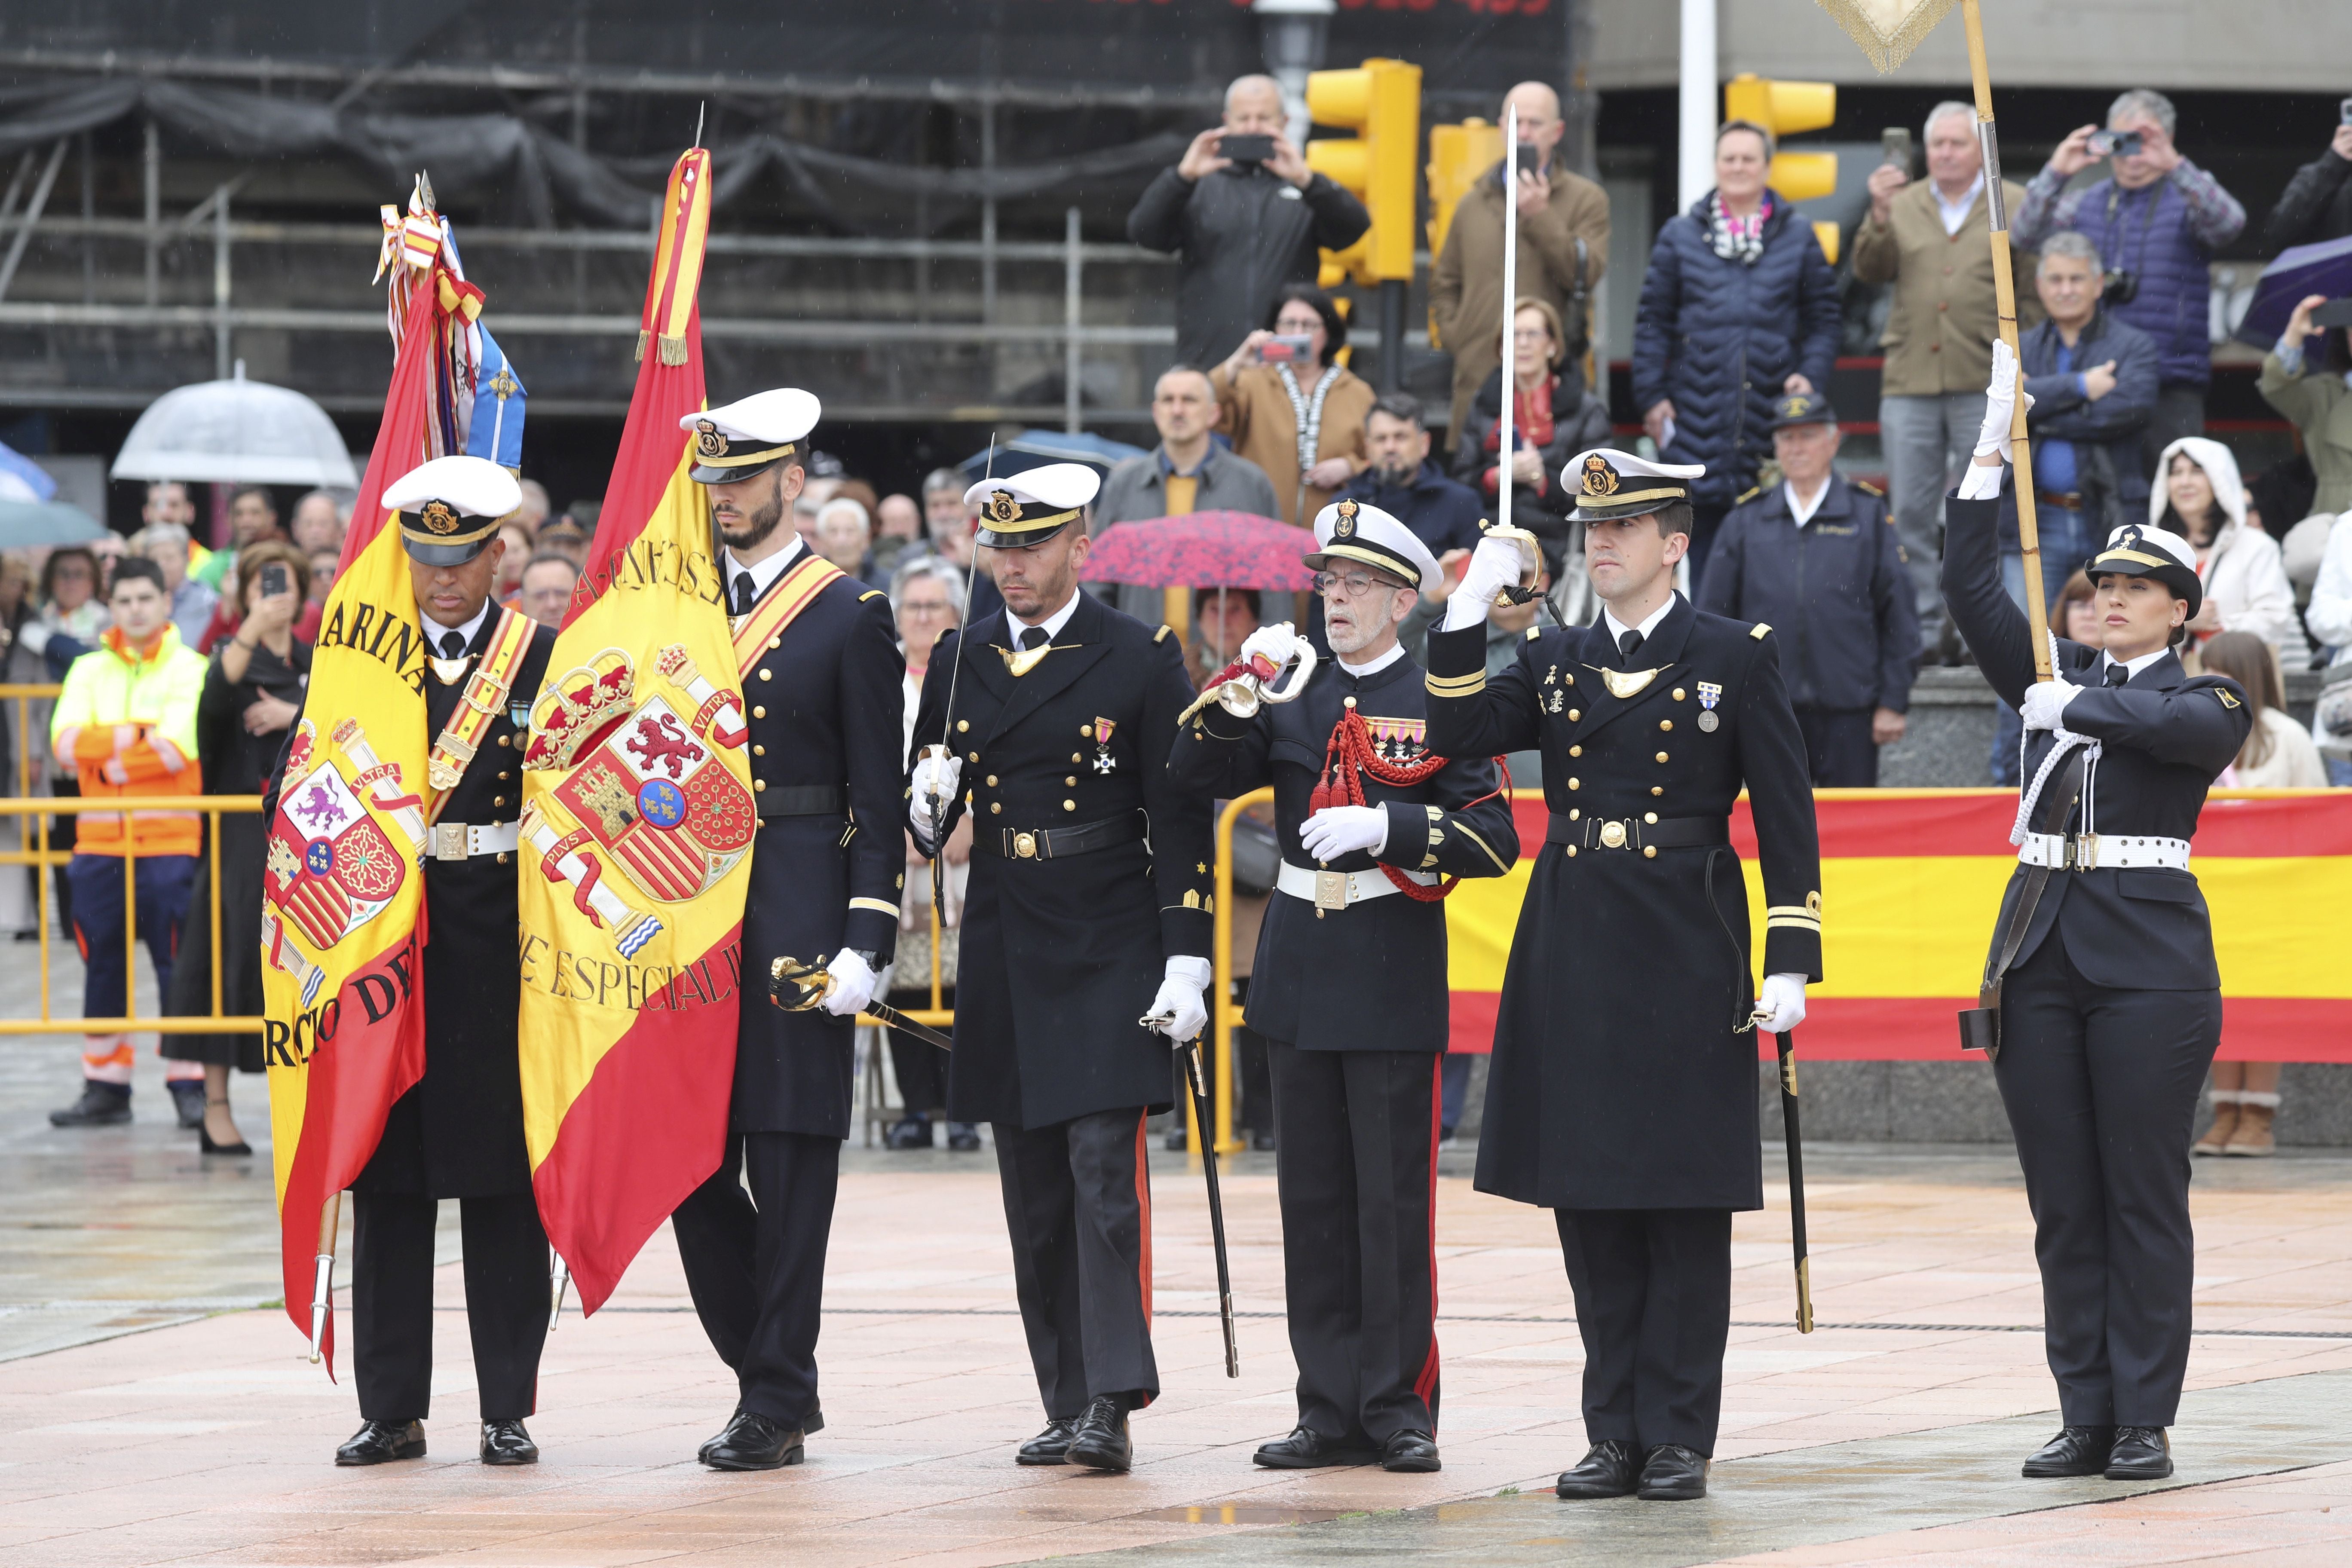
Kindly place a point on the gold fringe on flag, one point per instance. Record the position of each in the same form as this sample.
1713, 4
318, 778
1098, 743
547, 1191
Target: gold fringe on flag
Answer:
644, 337
1887, 30
673, 348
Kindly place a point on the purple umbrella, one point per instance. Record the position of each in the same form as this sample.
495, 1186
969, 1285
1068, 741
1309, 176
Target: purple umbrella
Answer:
1202, 550
2297, 274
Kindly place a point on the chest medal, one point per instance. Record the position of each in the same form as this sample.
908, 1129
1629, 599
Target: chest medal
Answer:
1709, 694
1104, 760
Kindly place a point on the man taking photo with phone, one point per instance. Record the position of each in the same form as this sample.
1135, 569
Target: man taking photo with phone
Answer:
2318, 202
2157, 221
1247, 216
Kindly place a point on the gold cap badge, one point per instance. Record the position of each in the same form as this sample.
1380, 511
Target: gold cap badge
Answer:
439, 518
1599, 478
1002, 508
1346, 527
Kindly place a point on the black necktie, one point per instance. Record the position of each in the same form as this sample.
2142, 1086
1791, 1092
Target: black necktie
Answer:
453, 646
2117, 673
743, 593
1031, 637
1629, 644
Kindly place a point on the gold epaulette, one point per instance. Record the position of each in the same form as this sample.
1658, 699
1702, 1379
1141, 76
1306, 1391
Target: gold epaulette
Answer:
1866, 487
1535, 633
869, 594
1750, 496
1759, 629
1161, 635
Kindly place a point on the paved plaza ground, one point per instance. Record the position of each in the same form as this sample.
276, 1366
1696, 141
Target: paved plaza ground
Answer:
154, 1409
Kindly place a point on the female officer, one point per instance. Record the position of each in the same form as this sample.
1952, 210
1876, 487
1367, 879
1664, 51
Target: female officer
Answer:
2102, 1003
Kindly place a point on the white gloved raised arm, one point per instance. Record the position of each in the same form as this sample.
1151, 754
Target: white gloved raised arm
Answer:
1983, 480
1497, 563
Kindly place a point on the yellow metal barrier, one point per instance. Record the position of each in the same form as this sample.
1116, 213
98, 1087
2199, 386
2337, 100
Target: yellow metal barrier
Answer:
213, 807
1224, 1014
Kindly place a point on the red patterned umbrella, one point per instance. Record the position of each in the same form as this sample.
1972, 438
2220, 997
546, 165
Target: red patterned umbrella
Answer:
1202, 550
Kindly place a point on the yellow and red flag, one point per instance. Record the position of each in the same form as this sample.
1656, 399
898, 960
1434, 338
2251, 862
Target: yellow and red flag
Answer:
1911, 880
638, 826
343, 928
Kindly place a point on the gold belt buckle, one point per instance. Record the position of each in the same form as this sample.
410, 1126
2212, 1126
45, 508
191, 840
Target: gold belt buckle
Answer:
1024, 846
1612, 834
448, 841
2086, 851
1330, 889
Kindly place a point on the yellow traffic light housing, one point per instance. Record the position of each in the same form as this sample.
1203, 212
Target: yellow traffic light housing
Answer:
1381, 101
1458, 155
1785, 109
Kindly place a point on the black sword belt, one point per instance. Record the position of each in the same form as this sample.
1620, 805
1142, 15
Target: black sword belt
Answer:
799, 800
1640, 834
1051, 843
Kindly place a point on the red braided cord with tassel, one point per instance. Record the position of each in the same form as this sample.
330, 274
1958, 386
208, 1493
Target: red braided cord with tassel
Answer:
1348, 755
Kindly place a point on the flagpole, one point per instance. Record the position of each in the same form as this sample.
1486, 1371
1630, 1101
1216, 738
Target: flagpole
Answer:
1510, 309
2005, 304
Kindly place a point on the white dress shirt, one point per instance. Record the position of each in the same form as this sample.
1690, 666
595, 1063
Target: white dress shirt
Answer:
1359, 671
1053, 624
763, 573
1956, 213
1799, 507
2134, 665
1617, 628
435, 632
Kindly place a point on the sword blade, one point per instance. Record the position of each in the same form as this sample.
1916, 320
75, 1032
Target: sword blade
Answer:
1787, 1042
1217, 1211
898, 1020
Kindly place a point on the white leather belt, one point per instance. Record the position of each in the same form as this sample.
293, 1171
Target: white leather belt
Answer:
463, 840
2102, 851
1337, 890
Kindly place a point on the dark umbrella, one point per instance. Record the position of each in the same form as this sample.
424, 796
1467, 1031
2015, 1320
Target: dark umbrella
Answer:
1203, 549
2295, 276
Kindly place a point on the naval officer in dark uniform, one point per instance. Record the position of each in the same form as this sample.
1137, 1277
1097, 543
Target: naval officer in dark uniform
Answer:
1623, 1091
2102, 1001
1089, 908
1816, 557
457, 1133
1351, 992
822, 679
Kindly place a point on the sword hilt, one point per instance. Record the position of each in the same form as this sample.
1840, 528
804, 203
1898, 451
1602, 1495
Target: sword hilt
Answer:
799, 987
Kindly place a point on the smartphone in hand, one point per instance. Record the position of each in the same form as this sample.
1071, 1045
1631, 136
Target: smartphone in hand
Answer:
1296, 348
1895, 147
276, 580
1245, 149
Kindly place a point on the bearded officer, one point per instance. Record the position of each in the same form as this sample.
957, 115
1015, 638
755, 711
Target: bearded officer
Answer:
1089, 906
821, 675
457, 1133
1351, 992
1623, 1092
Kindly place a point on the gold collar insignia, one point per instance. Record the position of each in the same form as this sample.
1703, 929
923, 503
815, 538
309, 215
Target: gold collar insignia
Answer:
1623, 684
1025, 660
449, 671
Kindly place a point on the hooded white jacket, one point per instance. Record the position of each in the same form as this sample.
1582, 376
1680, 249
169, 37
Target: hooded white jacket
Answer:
2243, 572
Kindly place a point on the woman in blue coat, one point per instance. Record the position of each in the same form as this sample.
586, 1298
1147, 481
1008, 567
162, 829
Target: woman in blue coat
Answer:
1738, 307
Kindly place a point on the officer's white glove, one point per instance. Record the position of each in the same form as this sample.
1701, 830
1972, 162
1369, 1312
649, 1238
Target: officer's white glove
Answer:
1782, 1004
2000, 403
1337, 830
934, 787
1276, 643
2045, 704
1178, 1010
853, 985
1495, 565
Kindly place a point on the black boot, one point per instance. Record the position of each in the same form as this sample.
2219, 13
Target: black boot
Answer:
2076, 1451
1099, 1440
2140, 1454
380, 1442
506, 1443
101, 1105
1613, 1468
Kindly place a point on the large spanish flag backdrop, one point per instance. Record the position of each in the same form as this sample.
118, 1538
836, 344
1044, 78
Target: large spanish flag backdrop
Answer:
1911, 880
344, 1007
638, 826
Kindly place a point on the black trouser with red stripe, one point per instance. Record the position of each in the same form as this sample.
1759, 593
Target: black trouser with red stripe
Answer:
1356, 1134
1078, 1203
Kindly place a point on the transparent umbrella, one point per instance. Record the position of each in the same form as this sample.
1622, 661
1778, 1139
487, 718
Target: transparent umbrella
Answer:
237, 431
32, 522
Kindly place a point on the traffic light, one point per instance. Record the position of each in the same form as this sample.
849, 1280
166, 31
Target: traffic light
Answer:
1458, 155
1786, 108
1381, 101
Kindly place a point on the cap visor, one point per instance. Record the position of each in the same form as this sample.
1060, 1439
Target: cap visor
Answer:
443, 555
1614, 513
1021, 541
703, 474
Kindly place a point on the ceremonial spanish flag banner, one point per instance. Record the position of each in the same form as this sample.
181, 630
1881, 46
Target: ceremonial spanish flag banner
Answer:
1911, 880
343, 1013
638, 826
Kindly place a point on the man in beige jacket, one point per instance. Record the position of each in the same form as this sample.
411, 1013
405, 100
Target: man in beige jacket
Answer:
1927, 238
1563, 249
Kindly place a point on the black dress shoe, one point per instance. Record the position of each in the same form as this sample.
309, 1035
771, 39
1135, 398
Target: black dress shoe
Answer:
2076, 1451
2141, 1454
963, 1136
205, 1145
506, 1443
1410, 1453
1308, 1450
1673, 1473
753, 1442
1100, 1440
1262, 1141
1047, 1446
380, 1442
101, 1105
1174, 1142
912, 1132
1613, 1468
720, 1436
188, 1100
